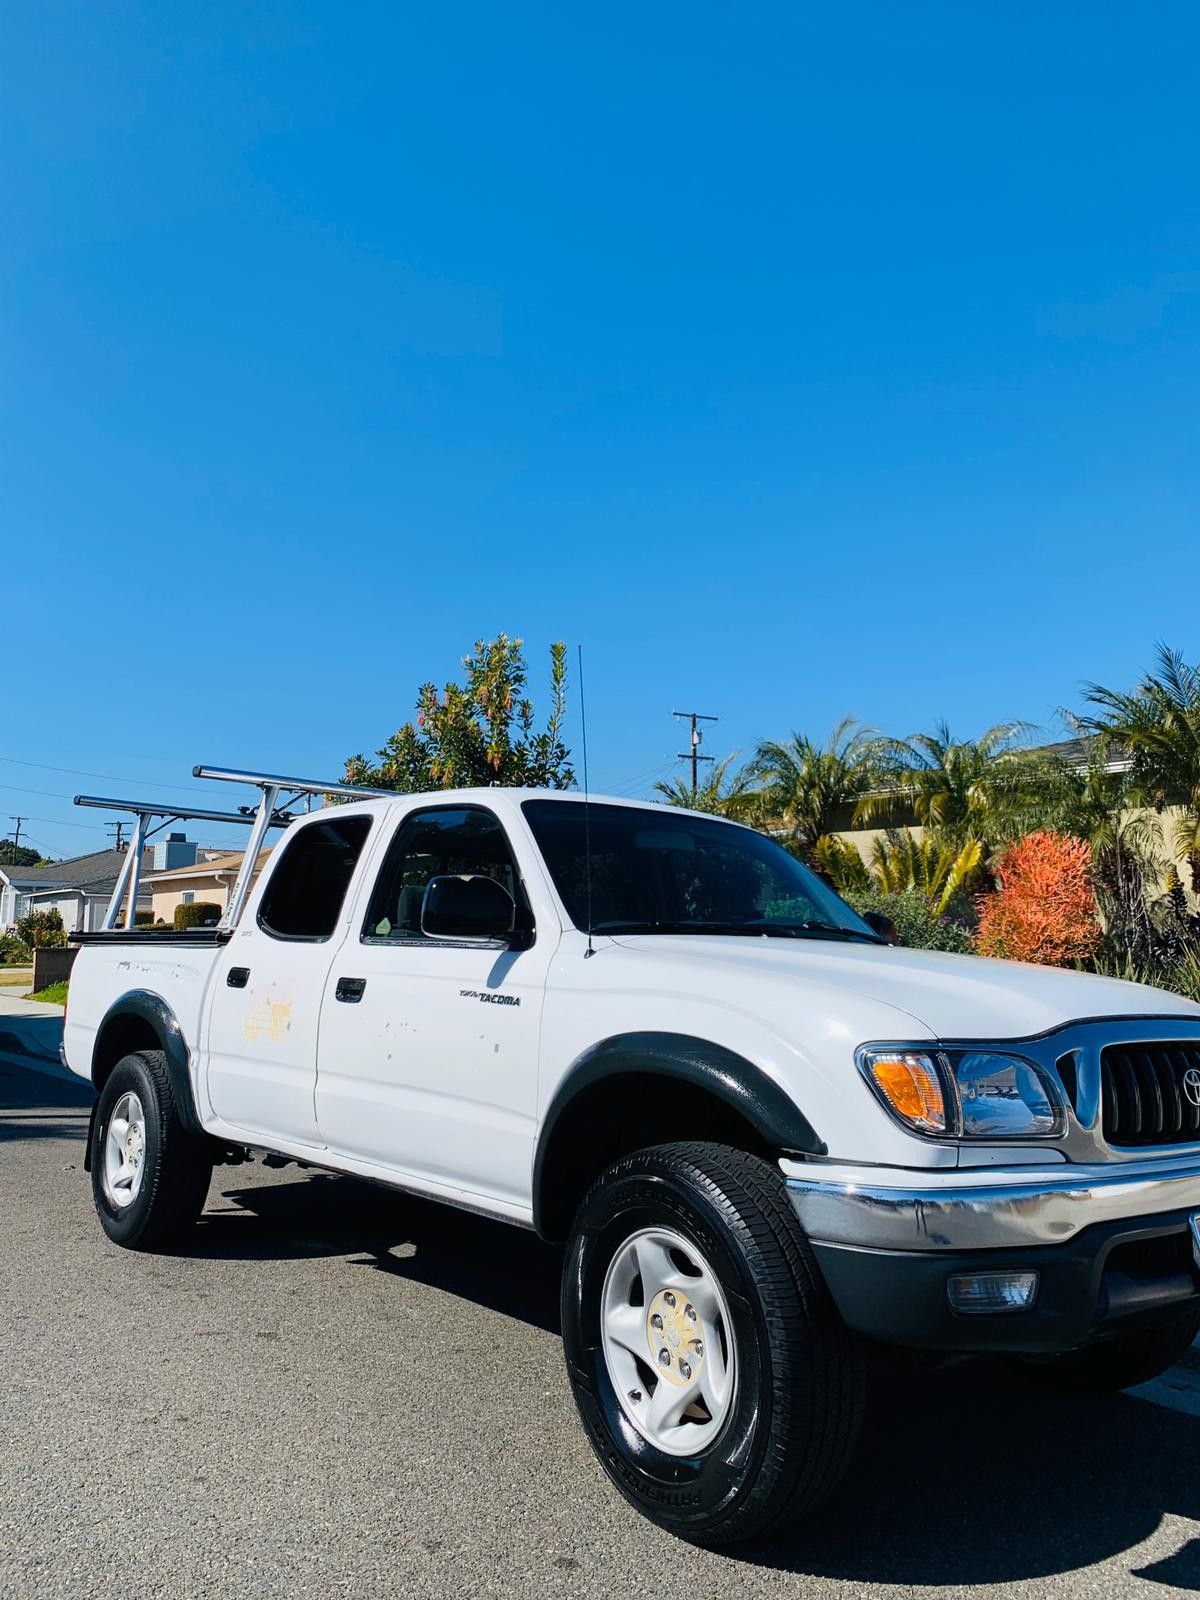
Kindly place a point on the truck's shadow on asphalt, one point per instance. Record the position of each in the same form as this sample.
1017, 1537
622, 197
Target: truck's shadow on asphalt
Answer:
972, 1476
39, 1104
507, 1269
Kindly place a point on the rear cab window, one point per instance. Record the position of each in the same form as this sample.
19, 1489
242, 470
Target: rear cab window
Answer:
307, 887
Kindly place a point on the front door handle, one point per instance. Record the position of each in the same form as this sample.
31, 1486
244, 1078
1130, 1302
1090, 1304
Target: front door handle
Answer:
238, 977
350, 990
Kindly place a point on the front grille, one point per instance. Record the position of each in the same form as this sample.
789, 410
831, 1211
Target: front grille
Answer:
1145, 1097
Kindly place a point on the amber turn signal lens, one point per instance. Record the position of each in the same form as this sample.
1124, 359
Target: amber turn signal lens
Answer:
911, 1085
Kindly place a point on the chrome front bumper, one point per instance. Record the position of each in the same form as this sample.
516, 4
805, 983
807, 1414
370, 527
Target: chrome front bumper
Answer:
888, 1209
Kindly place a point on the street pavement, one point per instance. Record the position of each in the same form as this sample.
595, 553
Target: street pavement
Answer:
337, 1390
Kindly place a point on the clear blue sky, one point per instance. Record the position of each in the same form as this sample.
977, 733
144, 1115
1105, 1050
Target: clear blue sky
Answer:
796, 360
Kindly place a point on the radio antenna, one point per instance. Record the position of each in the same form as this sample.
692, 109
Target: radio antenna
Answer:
587, 812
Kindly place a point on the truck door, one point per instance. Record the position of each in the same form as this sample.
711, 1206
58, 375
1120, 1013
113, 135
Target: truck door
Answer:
429, 1048
261, 1067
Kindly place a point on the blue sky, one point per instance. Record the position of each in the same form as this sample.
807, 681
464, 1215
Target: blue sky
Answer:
796, 361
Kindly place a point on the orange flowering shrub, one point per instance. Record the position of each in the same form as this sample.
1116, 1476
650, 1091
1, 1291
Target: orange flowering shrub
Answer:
1044, 908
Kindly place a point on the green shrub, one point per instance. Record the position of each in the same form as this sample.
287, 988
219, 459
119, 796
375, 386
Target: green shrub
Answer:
1182, 975
14, 952
919, 926
200, 914
42, 930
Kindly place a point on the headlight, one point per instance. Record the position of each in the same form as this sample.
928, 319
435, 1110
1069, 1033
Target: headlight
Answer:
973, 1094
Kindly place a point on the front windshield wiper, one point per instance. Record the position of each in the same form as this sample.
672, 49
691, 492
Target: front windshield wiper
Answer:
760, 928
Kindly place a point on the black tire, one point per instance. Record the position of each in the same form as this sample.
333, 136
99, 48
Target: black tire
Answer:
176, 1165
796, 1408
1121, 1362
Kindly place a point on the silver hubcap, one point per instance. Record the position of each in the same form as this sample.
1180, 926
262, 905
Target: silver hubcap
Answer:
125, 1151
668, 1341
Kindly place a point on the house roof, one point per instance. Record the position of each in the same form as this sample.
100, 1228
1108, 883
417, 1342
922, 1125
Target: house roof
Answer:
96, 871
229, 862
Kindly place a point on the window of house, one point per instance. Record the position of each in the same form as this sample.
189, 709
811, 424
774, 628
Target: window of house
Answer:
188, 897
305, 891
461, 840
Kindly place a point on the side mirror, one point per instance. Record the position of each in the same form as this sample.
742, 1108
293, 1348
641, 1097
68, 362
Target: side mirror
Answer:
883, 926
467, 908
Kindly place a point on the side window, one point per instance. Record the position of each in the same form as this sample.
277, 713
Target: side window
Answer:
463, 840
308, 883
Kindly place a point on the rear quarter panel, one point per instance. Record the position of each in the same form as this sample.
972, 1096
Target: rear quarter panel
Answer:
103, 972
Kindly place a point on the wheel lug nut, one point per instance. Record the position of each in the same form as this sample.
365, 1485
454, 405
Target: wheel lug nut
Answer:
664, 1357
689, 1311
684, 1370
656, 1321
670, 1299
698, 1347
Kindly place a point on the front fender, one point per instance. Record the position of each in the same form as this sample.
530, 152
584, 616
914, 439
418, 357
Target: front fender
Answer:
745, 1088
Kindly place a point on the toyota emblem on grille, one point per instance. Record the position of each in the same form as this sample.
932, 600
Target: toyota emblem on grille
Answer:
1191, 1085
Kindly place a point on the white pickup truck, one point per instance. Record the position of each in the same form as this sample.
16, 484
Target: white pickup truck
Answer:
770, 1139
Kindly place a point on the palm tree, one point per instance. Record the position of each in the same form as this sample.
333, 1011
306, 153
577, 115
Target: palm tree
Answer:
961, 789
722, 794
1159, 725
806, 789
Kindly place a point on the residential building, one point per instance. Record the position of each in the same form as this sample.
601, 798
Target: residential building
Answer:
79, 889
205, 881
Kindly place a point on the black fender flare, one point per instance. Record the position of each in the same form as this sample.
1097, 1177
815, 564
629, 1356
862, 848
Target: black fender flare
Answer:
747, 1089
154, 1010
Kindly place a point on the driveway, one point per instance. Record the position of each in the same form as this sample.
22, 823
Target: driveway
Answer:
336, 1390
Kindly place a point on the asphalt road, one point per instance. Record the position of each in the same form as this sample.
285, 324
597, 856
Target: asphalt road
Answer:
339, 1391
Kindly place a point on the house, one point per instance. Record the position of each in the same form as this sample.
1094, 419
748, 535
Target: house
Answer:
206, 880
79, 889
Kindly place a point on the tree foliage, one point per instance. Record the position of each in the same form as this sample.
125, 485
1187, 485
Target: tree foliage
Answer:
479, 732
1158, 723
1044, 909
808, 789
722, 794
41, 930
960, 788
17, 855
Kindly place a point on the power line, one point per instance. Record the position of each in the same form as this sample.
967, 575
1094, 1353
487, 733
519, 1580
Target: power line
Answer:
693, 754
83, 772
57, 822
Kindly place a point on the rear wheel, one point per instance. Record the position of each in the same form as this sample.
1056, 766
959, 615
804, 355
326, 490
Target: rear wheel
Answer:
1121, 1362
716, 1382
150, 1176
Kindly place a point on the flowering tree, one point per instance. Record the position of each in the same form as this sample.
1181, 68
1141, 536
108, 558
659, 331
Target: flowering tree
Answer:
1044, 908
477, 733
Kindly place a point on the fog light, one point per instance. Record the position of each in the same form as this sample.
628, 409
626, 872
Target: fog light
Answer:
992, 1291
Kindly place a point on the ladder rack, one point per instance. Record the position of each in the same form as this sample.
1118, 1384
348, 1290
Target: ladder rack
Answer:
279, 794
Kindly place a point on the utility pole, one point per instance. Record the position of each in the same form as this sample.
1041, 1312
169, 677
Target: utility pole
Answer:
694, 718
17, 833
119, 843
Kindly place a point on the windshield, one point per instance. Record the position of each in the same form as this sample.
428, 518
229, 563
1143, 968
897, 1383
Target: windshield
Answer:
678, 873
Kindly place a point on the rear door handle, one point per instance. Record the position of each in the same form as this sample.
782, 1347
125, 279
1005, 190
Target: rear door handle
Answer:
238, 977
350, 990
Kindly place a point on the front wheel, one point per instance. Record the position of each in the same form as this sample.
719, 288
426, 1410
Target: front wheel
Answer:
150, 1176
717, 1384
